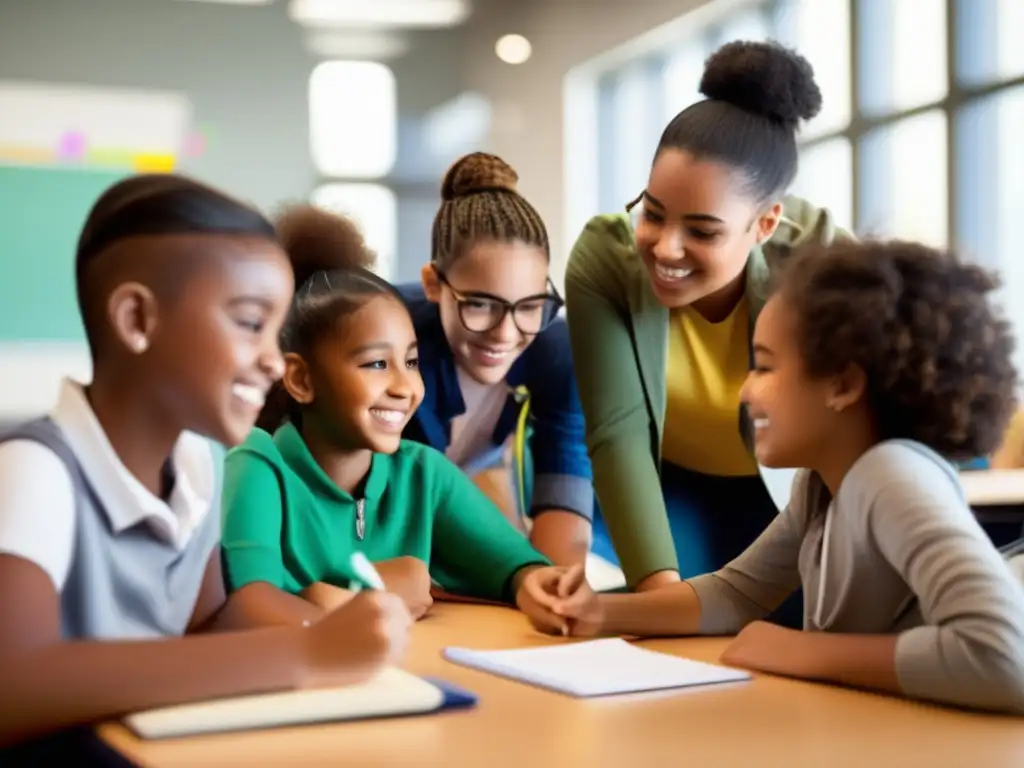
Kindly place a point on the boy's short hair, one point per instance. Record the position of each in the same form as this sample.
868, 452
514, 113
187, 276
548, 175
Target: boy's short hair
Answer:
920, 323
152, 205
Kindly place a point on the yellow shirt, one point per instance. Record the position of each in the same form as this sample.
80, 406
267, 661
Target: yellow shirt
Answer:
707, 365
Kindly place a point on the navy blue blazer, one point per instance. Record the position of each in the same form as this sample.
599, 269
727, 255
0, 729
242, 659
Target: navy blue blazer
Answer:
562, 474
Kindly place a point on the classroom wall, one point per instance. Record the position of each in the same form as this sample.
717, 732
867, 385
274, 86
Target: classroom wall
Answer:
527, 100
245, 73
251, 104
252, 109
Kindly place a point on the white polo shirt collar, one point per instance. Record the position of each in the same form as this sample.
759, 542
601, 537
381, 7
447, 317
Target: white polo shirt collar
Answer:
125, 500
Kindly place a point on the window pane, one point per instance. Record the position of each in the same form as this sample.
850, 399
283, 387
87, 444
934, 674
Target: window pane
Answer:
458, 126
746, 25
904, 54
352, 119
826, 179
681, 78
990, 197
375, 209
989, 33
904, 180
820, 31
609, 198
633, 147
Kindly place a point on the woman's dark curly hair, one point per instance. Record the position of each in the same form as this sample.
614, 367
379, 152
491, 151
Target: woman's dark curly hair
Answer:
921, 324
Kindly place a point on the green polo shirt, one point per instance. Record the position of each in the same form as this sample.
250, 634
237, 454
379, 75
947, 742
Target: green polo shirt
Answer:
286, 522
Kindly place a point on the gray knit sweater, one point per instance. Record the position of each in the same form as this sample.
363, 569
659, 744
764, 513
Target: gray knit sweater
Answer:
905, 555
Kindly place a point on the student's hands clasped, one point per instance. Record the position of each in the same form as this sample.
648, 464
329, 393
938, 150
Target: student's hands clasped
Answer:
349, 644
409, 578
559, 601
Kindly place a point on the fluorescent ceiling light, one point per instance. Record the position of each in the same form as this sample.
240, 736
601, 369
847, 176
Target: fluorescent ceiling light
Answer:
236, 2
379, 13
363, 45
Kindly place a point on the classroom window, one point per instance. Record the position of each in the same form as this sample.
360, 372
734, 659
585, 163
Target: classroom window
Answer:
375, 209
608, 194
820, 31
353, 119
918, 135
990, 197
905, 181
681, 78
903, 61
635, 129
749, 24
826, 177
989, 33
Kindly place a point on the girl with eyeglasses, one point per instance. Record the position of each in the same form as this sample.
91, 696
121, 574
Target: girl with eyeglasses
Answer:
495, 359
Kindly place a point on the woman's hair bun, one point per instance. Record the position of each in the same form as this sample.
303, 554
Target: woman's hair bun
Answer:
478, 172
317, 240
763, 78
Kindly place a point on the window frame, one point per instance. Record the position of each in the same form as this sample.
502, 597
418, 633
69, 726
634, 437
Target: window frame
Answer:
959, 96
964, 19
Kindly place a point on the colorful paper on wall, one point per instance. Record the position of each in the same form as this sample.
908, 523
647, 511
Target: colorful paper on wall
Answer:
111, 128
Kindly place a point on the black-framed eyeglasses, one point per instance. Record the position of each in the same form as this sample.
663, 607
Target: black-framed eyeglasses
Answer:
482, 312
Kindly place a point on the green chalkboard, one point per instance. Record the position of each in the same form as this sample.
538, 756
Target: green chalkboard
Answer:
41, 214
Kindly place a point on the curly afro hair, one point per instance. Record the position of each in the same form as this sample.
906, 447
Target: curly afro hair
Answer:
920, 323
320, 241
764, 79
757, 95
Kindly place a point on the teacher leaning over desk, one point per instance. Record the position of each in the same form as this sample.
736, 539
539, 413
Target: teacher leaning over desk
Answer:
661, 304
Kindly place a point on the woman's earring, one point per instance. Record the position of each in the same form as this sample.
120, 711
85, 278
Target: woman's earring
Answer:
140, 344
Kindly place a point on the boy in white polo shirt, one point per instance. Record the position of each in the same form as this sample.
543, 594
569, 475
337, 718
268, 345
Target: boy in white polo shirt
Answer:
108, 506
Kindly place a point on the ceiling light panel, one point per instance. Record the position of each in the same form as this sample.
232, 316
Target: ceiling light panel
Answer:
379, 13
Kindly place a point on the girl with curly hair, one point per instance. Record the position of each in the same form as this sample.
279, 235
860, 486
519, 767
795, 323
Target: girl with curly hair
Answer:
877, 365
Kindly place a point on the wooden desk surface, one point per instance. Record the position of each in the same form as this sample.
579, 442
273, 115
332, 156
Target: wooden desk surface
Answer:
989, 487
766, 722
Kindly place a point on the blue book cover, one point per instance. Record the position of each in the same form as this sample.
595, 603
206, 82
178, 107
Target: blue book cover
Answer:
455, 697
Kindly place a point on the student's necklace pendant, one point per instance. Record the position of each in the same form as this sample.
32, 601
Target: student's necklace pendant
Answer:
360, 519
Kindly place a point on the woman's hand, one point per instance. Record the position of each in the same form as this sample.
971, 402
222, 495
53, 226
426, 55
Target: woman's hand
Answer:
408, 578
560, 601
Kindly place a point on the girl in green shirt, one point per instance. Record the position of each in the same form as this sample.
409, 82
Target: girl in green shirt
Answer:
330, 475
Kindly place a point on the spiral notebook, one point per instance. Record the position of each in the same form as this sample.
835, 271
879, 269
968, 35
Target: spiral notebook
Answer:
391, 693
596, 668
